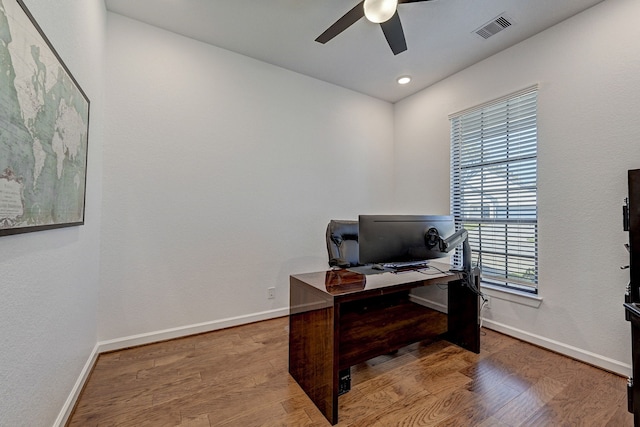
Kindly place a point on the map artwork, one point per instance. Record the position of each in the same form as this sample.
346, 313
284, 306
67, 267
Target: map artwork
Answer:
44, 122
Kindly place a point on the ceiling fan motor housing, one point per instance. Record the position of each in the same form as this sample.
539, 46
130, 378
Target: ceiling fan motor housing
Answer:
379, 11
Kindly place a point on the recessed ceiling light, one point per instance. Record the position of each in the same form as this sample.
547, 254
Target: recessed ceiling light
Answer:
403, 80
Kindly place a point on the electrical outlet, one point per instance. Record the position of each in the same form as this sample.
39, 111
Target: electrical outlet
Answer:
271, 293
487, 304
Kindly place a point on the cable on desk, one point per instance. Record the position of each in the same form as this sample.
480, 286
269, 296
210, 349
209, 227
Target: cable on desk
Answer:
468, 281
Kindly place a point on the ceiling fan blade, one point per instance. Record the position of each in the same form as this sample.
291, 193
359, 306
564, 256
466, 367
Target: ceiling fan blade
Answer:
343, 23
394, 34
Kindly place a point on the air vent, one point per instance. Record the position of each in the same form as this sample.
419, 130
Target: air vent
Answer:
493, 27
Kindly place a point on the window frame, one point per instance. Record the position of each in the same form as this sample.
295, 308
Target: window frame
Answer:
495, 146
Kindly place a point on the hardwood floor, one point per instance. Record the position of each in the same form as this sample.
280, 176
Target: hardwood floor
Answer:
239, 377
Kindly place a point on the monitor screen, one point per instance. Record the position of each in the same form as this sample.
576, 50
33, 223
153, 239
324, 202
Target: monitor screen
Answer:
400, 238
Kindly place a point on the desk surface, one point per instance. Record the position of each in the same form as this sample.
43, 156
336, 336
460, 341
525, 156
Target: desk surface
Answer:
345, 282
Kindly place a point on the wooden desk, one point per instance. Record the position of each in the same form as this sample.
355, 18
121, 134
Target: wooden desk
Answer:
339, 318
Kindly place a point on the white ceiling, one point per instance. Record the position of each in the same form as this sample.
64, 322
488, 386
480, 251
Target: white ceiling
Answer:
440, 35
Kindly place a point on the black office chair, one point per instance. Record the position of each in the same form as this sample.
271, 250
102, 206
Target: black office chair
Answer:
342, 243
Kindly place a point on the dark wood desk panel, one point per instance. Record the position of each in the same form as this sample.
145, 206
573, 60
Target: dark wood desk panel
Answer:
463, 320
340, 318
382, 324
313, 356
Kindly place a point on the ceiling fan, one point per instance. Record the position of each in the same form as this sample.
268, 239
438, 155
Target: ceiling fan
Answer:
383, 12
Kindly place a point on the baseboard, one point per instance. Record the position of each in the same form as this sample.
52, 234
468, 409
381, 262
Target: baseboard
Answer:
151, 337
594, 359
428, 303
69, 404
167, 334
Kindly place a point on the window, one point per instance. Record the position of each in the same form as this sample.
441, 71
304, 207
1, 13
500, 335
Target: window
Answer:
494, 187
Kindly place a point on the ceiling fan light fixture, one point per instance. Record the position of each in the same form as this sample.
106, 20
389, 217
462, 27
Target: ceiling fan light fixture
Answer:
379, 11
403, 80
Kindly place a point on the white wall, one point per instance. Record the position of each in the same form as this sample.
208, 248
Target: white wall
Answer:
589, 135
221, 173
49, 279
220, 176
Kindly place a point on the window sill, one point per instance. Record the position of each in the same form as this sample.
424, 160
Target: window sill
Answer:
511, 295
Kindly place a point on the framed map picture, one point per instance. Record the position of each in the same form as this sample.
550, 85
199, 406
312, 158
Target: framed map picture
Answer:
44, 126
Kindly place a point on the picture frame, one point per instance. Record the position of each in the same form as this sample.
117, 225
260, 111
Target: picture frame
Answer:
44, 130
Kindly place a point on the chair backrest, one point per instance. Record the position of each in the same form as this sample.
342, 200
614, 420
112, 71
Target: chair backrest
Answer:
342, 243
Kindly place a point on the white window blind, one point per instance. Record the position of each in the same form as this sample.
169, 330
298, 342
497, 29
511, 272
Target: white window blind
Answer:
494, 187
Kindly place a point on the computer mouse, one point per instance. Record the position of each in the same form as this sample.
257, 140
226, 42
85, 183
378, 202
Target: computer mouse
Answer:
377, 267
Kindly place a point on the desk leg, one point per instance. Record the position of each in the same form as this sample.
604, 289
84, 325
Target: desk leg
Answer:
313, 360
464, 315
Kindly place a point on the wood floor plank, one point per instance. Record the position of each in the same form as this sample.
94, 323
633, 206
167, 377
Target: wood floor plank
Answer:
402, 412
492, 422
620, 416
200, 421
355, 406
527, 403
239, 377
268, 415
163, 416
581, 402
225, 406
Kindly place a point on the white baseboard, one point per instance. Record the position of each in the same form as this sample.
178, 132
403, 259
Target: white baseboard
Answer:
428, 303
167, 334
65, 412
594, 359
151, 337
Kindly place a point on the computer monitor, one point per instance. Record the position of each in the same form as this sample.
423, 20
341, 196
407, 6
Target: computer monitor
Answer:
390, 239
